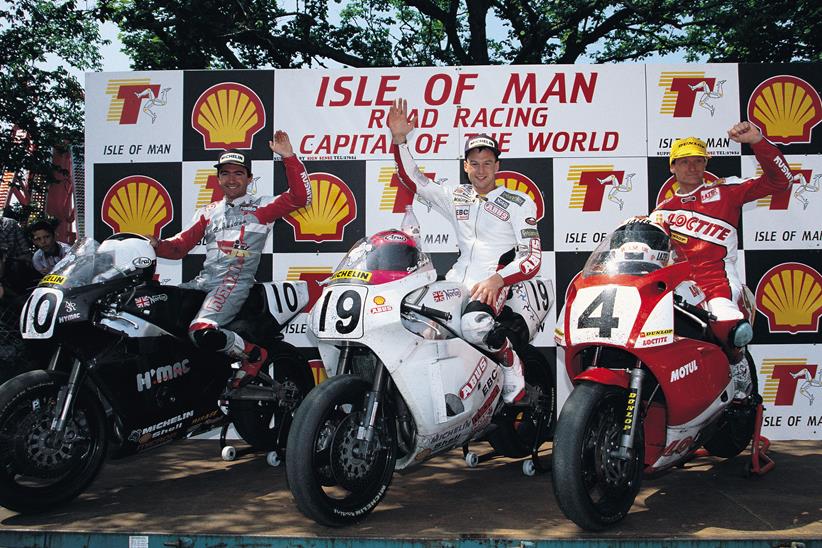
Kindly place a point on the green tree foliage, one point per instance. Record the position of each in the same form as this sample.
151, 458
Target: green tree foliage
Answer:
362, 33
39, 39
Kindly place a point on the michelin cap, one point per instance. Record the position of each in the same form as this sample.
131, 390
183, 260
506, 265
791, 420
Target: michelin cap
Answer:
482, 141
235, 157
688, 146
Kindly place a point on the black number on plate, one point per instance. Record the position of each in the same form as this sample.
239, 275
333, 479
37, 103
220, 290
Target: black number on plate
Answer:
349, 307
606, 320
351, 313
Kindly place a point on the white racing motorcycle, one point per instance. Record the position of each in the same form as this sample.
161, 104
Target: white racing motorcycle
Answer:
404, 386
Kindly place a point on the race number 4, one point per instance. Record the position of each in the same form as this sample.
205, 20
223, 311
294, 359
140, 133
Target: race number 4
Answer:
600, 314
604, 313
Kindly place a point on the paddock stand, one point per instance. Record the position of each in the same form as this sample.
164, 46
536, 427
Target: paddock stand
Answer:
229, 452
531, 466
760, 463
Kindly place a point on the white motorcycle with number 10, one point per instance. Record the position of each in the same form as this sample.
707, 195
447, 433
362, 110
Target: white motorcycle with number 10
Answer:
403, 385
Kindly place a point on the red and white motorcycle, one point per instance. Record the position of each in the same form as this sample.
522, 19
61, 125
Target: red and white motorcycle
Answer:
651, 386
404, 386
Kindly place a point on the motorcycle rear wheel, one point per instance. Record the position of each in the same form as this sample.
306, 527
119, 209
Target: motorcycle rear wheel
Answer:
252, 419
516, 428
593, 488
331, 484
737, 429
37, 474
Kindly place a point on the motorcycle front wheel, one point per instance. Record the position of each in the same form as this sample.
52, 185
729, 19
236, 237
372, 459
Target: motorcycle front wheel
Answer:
335, 479
38, 469
253, 419
593, 488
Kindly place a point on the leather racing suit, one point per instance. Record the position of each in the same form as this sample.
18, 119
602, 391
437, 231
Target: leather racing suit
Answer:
487, 228
234, 233
704, 222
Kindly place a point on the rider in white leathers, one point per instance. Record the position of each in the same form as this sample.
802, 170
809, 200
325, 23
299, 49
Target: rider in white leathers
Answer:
490, 222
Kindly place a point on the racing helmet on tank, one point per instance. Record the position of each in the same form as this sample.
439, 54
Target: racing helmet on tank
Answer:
393, 255
127, 254
640, 245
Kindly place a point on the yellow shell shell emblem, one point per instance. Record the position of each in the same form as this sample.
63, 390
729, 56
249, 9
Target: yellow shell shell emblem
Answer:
137, 204
228, 115
332, 207
790, 295
517, 181
786, 108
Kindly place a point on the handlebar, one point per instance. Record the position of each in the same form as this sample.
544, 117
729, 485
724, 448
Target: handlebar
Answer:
700, 313
426, 311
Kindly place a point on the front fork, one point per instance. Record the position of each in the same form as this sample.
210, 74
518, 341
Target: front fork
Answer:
629, 425
367, 426
65, 401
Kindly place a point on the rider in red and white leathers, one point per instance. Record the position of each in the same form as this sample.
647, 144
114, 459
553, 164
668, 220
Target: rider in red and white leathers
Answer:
490, 221
703, 217
234, 231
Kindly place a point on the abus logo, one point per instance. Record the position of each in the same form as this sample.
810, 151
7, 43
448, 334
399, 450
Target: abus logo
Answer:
802, 182
137, 204
130, 97
515, 180
332, 208
790, 296
395, 196
786, 109
591, 182
228, 115
783, 375
684, 90
671, 186
313, 275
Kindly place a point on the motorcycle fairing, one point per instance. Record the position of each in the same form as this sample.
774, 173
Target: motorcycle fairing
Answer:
682, 438
621, 310
50, 306
430, 373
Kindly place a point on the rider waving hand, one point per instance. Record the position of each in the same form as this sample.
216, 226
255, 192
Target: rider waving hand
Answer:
491, 222
235, 229
703, 217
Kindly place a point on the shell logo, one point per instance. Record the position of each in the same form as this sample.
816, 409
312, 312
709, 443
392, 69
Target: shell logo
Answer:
228, 115
671, 186
790, 296
137, 204
786, 109
515, 180
332, 208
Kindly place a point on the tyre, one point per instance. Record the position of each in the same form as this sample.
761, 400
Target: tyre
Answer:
36, 471
593, 488
517, 428
734, 434
252, 419
332, 481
